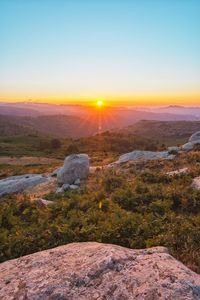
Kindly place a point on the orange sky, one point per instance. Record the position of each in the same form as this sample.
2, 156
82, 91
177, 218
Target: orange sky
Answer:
139, 99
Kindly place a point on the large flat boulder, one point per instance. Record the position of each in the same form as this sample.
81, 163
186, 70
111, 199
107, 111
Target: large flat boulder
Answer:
82, 271
76, 166
145, 155
18, 184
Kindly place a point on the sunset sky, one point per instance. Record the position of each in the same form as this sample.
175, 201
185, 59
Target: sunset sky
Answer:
133, 52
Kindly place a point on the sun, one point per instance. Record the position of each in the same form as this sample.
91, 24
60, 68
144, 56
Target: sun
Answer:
99, 103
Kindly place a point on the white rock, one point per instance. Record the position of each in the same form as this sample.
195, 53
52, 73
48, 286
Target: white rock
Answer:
89, 271
195, 137
187, 146
144, 155
73, 186
18, 184
177, 172
77, 182
43, 202
173, 148
59, 190
76, 166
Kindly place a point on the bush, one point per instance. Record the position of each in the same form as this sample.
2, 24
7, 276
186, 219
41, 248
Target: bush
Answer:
55, 144
112, 182
72, 149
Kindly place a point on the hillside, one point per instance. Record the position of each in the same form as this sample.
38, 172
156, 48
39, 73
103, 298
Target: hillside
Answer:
59, 126
163, 129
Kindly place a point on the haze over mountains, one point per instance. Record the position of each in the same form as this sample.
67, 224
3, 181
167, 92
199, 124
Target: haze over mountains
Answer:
75, 121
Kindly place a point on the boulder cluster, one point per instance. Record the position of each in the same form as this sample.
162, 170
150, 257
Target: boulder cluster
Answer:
76, 167
154, 155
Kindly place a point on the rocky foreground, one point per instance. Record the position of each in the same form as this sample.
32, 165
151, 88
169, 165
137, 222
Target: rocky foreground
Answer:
98, 271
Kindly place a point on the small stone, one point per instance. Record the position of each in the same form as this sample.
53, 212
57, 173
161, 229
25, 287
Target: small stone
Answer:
43, 202
73, 186
177, 172
65, 187
59, 190
173, 149
77, 182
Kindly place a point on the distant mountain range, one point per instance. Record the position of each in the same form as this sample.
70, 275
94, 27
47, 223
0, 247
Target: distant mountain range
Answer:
176, 109
74, 121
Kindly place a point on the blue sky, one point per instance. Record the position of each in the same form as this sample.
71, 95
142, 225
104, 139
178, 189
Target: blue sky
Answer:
65, 49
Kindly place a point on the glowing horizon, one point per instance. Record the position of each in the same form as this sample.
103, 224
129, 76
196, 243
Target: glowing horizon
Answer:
126, 52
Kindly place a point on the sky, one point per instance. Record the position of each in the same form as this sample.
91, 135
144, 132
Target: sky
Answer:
122, 51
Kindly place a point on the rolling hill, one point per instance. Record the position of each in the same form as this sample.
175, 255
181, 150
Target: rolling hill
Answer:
58, 126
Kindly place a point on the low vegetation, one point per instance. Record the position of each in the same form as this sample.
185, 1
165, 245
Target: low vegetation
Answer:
136, 206
108, 145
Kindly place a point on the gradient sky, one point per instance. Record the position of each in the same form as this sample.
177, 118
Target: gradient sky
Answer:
139, 51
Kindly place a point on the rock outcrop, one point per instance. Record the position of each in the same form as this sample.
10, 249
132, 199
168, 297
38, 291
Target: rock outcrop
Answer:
188, 146
193, 140
195, 137
145, 155
76, 166
17, 184
82, 271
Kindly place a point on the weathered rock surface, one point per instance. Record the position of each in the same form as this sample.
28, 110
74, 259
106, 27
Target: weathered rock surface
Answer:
144, 155
88, 271
42, 189
76, 166
188, 146
193, 140
195, 137
16, 184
